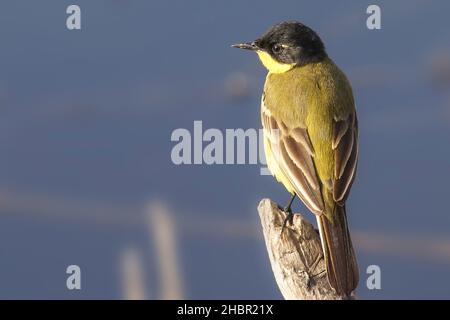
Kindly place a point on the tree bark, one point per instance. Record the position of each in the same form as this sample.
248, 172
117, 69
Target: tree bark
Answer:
295, 255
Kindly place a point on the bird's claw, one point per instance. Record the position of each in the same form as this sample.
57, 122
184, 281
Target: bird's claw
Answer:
289, 218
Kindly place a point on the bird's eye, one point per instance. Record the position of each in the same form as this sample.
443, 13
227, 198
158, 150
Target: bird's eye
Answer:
276, 48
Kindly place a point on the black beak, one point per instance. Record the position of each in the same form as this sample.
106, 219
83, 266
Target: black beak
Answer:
247, 46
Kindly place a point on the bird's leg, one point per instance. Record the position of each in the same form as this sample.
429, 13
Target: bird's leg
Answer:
288, 210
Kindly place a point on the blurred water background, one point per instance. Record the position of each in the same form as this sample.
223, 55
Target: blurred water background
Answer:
85, 123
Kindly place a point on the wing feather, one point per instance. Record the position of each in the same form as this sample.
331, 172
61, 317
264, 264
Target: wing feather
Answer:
346, 158
312, 198
302, 159
293, 152
340, 128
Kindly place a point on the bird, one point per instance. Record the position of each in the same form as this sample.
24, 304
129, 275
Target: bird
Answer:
310, 130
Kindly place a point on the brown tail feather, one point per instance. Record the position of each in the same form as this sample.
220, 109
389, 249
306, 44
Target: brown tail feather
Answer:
340, 259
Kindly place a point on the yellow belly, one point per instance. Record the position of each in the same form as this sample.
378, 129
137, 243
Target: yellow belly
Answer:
273, 167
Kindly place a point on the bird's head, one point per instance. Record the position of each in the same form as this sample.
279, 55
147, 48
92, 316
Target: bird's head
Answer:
286, 45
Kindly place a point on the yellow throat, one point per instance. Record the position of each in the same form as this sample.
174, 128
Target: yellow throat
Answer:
273, 65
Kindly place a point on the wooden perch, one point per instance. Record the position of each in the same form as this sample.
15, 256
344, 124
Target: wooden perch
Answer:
296, 255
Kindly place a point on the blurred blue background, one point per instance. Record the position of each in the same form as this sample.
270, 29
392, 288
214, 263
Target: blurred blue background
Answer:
85, 124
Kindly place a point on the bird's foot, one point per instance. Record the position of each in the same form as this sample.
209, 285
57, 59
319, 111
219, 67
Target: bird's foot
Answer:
290, 215
289, 218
